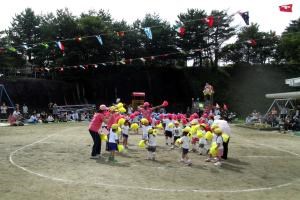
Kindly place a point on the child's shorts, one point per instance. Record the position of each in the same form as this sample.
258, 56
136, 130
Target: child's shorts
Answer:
112, 146
168, 133
151, 148
125, 136
185, 151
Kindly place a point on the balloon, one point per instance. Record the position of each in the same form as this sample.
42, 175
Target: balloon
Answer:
103, 137
132, 116
120, 105
165, 104
134, 126
225, 137
214, 149
121, 121
119, 131
120, 147
122, 110
199, 134
209, 136
141, 144
159, 126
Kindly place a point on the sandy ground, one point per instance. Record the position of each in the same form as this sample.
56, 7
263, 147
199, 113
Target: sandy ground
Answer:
52, 162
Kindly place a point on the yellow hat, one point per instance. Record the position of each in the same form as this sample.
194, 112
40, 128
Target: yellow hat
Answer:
144, 121
217, 131
114, 127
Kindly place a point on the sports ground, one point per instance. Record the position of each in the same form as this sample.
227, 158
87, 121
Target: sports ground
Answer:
52, 162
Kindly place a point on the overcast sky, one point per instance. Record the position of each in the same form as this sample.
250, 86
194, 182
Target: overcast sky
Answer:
264, 12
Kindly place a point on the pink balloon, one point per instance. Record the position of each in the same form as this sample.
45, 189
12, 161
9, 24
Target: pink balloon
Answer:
165, 103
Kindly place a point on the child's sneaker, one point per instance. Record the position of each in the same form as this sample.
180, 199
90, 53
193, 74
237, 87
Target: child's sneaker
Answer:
181, 160
95, 157
208, 160
218, 163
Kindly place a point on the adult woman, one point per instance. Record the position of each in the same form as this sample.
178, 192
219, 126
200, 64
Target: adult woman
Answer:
94, 127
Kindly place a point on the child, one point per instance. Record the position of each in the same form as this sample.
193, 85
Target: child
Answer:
169, 130
219, 146
177, 131
185, 141
145, 128
125, 131
113, 142
151, 144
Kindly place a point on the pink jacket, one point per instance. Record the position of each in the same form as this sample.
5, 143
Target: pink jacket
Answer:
96, 122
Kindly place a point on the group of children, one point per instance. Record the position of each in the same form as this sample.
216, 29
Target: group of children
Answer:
200, 134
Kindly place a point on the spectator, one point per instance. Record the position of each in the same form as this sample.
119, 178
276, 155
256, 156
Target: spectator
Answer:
3, 109
25, 111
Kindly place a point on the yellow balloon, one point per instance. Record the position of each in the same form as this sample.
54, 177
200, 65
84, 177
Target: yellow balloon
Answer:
134, 126
213, 149
209, 136
141, 144
122, 110
225, 137
121, 121
119, 131
199, 134
120, 147
159, 126
103, 137
178, 141
120, 105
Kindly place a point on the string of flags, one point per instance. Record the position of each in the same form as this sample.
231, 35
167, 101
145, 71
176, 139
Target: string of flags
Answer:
181, 30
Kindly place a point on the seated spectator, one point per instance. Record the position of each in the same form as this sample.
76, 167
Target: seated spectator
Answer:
33, 119
50, 118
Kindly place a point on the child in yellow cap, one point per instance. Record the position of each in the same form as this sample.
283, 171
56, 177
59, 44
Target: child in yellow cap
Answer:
218, 141
113, 141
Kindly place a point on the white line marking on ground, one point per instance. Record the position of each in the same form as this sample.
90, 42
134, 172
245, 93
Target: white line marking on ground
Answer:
138, 187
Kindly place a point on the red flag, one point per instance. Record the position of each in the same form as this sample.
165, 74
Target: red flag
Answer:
210, 21
120, 33
181, 31
252, 42
286, 8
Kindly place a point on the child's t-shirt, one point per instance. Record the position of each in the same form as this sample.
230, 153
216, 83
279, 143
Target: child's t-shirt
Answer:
113, 137
152, 140
177, 131
185, 142
145, 132
125, 130
219, 140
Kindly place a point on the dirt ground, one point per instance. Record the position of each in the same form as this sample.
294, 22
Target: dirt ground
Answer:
52, 162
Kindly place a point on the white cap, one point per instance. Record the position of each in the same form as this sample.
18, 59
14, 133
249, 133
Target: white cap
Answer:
103, 107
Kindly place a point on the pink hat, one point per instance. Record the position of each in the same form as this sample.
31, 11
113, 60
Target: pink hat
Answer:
146, 104
103, 107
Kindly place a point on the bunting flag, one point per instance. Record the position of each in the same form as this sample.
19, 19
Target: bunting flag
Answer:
78, 39
180, 31
148, 32
81, 66
121, 33
12, 49
99, 39
45, 45
143, 60
252, 42
286, 8
60, 46
210, 21
245, 16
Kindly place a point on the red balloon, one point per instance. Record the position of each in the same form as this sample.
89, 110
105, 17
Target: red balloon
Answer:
165, 103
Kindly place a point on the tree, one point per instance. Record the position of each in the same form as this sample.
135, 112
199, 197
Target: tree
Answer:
252, 46
289, 47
